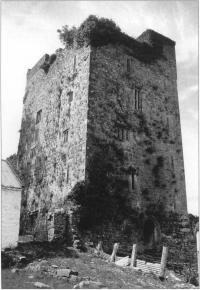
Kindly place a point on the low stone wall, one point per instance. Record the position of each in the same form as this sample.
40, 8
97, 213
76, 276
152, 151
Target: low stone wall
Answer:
181, 240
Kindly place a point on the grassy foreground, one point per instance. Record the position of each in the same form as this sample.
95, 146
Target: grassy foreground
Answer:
44, 261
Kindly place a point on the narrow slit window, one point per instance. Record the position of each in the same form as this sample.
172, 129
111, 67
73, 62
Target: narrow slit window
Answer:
120, 134
74, 63
39, 116
66, 135
117, 133
172, 162
138, 100
133, 178
127, 135
128, 65
68, 169
33, 153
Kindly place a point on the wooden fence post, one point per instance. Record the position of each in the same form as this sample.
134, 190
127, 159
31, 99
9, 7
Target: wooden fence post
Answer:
163, 262
99, 248
113, 256
134, 256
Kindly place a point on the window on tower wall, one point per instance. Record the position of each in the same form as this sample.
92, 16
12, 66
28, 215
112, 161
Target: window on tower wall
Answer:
138, 99
68, 172
38, 162
39, 116
74, 67
65, 135
128, 65
122, 134
33, 152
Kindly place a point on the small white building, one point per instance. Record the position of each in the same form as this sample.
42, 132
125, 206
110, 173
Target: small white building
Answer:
11, 188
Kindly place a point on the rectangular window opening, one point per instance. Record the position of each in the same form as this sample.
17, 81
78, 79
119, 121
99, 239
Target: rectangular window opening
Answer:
65, 135
128, 65
74, 63
132, 184
138, 100
33, 152
68, 168
39, 116
127, 135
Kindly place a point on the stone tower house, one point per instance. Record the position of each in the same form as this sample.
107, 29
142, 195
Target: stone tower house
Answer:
113, 108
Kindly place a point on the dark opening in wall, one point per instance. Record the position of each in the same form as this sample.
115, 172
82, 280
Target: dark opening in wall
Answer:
68, 172
33, 152
122, 134
38, 116
65, 135
138, 100
74, 66
128, 65
148, 231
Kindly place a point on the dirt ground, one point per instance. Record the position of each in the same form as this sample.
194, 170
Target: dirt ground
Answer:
43, 263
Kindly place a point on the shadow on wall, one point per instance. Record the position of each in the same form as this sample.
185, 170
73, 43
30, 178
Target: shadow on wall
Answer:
151, 233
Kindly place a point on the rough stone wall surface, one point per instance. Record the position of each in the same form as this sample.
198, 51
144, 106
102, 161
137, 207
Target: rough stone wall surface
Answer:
180, 237
154, 144
52, 144
105, 102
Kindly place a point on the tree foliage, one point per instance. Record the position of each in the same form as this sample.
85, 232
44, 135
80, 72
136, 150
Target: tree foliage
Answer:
93, 30
102, 31
99, 199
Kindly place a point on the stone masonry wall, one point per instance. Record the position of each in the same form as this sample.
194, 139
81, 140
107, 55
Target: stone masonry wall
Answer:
154, 144
51, 150
100, 112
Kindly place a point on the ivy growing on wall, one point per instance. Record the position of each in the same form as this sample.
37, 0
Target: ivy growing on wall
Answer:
99, 199
102, 31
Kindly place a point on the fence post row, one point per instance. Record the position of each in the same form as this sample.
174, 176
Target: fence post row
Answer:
134, 256
163, 262
113, 256
99, 248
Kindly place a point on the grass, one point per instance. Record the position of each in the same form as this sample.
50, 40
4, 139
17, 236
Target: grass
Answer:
87, 265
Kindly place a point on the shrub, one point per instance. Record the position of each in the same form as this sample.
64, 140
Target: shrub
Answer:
101, 31
93, 30
99, 199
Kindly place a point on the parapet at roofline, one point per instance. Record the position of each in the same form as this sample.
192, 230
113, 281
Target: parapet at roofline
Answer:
142, 46
154, 38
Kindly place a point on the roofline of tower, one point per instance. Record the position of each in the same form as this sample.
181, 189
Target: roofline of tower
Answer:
152, 34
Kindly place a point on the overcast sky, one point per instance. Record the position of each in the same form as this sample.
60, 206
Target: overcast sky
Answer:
29, 31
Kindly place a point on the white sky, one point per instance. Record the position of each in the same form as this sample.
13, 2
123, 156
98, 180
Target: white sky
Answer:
29, 31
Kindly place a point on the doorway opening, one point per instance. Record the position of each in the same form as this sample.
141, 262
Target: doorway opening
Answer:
151, 233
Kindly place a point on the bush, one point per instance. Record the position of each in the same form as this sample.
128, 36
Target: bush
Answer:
99, 199
93, 30
101, 31
6, 260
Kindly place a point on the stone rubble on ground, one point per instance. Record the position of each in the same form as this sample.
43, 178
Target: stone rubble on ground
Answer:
89, 285
41, 285
37, 266
63, 273
14, 270
74, 279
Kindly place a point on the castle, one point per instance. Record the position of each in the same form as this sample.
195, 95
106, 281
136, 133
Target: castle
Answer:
106, 115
